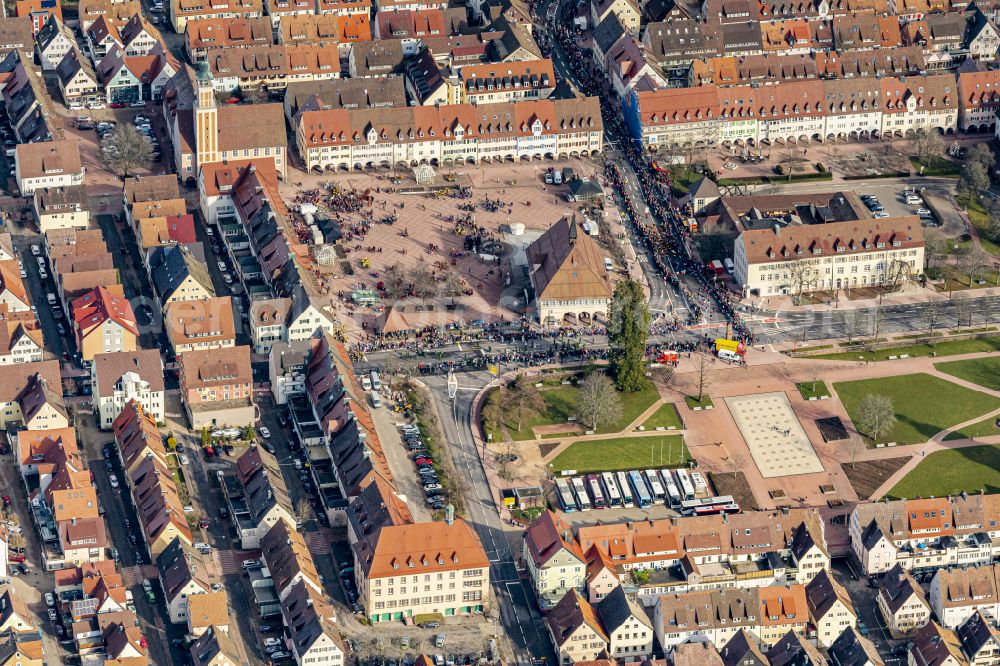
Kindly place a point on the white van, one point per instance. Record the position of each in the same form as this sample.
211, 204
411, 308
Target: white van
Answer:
728, 263
608, 264
376, 401
376, 384
366, 383
730, 356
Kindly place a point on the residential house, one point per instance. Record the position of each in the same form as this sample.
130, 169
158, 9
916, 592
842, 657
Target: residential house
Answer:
743, 649
76, 77
959, 593
166, 230
853, 649
137, 437
286, 369
628, 628
47, 164
215, 187
139, 36
576, 630
102, 36
979, 100
124, 376
15, 618
203, 324
795, 650
36, 12
449, 552
117, 11
205, 35
267, 321
602, 578
259, 499
103, 324
507, 82
277, 10
158, 505
215, 648
13, 294
182, 11
627, 11
980, 640
41, 452
53, 42
902, 603
935, 645
982, 38
42, 406
20, 343
139, 190
16, 379
288, 560
830, 608
554, 560
21, 652
217, 386
178, 275
61, 208
208, 610
925, 533
312, 630
183, 576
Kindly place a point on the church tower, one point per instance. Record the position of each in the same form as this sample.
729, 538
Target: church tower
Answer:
206, 119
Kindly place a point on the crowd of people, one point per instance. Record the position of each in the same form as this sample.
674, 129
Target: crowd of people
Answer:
663, 230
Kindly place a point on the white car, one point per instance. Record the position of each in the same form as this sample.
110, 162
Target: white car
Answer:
880, 215
75, 106
216, 587
137, 105
36, 251
114, 481
922, 211
297, 463
52, 615
265, 433
49, 599
270, 640
222, 266
184, 459
96, 106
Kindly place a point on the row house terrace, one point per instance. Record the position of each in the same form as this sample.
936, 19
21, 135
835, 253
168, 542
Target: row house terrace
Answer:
201, 36
338, 139
926, 534
181, 11
980, 100
795, 112
272, 67
263, 215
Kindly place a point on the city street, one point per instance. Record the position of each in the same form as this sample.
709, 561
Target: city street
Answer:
523, 624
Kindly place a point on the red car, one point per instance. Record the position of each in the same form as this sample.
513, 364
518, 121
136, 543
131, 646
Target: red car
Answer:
15, 558
209, 452
203, 523
424, 461
6, 500
117, 105
233, 100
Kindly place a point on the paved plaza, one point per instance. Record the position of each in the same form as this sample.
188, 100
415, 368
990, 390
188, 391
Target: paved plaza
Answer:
776, 440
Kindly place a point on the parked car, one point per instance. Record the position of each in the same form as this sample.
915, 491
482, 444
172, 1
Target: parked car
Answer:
265, 433
114, 480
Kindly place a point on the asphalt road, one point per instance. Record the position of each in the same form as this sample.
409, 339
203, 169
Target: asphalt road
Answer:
523, 623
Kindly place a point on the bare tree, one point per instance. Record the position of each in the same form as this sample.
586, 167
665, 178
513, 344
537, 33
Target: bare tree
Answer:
126, 149
525, 398
702, 368
936, 248
963, 313
802, 277
598, 401
493, 410
974, 263
663, 375
303, 509
452, 287
933, 314
852, 325
928, 145
424, 286
737, 461
394, 282
814, 376
876, 415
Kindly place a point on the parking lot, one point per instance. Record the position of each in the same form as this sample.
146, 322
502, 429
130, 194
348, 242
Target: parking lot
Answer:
870, 622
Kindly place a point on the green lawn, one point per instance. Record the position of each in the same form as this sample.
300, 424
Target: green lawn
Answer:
560, 404
810, 390
943, 348
693, 402
984, 428
664, 417
623, 453
924, 404
937, 166
982, 371
950, 472
980, 219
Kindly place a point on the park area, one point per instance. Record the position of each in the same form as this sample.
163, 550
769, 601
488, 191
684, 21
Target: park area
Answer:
982, 371
622, 453
558, 417
923, 404
942, 473
943, 348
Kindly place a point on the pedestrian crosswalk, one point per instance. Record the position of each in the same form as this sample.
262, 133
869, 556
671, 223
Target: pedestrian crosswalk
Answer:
226, 561
132, 576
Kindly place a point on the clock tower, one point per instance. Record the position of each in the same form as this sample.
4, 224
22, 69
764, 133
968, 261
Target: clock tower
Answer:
206, 118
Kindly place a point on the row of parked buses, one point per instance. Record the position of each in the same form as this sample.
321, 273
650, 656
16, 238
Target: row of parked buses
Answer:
677, 488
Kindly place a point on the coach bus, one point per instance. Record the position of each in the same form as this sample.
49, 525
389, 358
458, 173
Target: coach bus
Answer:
709, 505
611, 489
623, 486
655, 487
596, 494
673, 495
642, 497
582, 500
566, 500
684, 484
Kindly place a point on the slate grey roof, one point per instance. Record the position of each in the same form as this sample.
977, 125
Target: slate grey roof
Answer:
170, 265
853, 649
608, 32
617, 608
